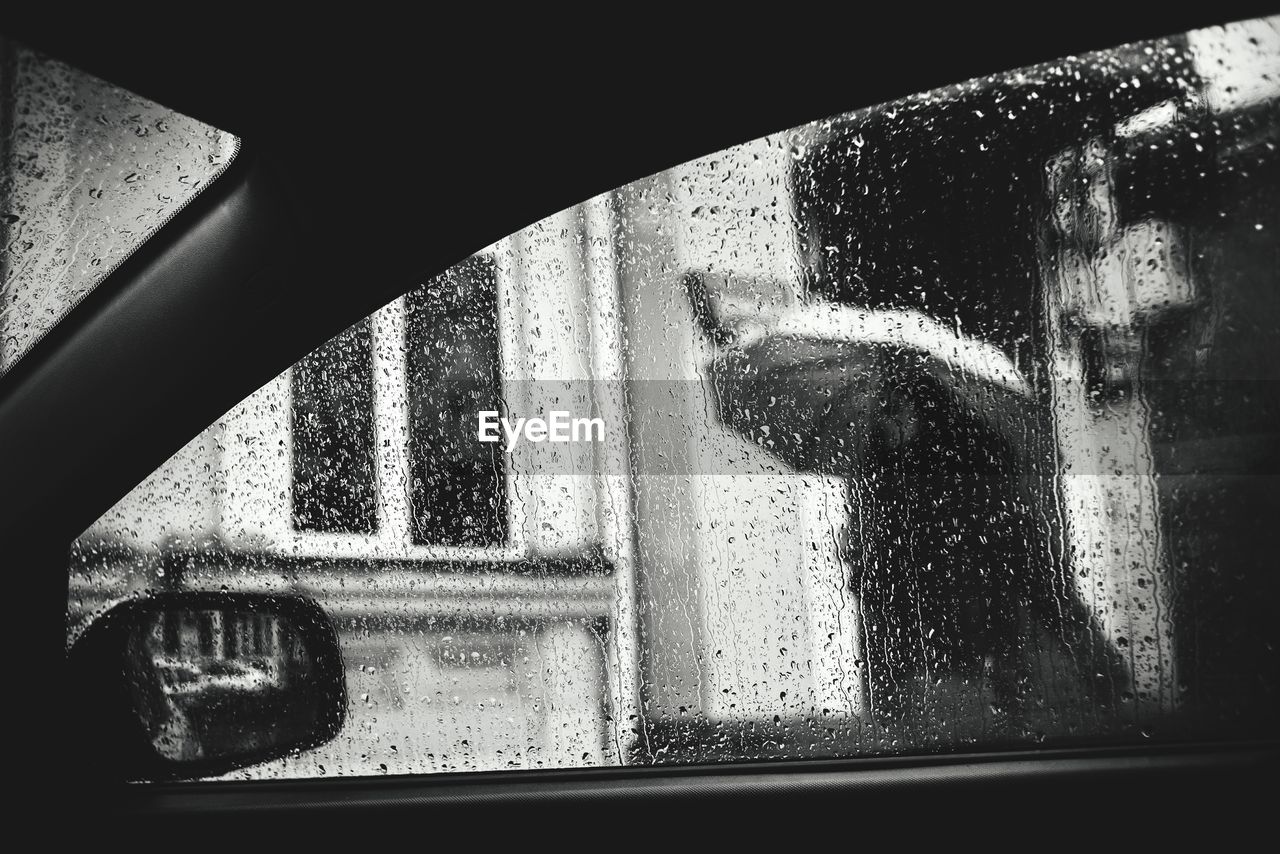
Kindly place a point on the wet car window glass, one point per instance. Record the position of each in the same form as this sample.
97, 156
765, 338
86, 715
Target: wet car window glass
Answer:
88, 172
943, 425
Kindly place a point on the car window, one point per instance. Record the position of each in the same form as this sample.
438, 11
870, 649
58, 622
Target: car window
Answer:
88, 171
943, 425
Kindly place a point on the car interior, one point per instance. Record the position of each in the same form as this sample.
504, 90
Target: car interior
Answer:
945, 446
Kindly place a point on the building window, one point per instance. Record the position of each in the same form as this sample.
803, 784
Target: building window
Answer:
334, 481
458, 486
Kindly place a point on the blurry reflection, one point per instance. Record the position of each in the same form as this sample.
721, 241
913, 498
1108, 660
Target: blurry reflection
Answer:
210, 683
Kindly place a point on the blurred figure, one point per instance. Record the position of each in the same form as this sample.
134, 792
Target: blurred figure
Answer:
918, 357
936, 435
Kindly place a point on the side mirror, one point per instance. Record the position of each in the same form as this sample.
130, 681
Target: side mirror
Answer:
191, 684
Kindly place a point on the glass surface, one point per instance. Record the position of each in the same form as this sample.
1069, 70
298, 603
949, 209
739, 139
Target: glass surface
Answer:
945, 425
88, 172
